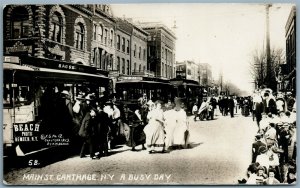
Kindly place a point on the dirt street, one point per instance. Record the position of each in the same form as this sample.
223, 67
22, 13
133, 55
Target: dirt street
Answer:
220, 154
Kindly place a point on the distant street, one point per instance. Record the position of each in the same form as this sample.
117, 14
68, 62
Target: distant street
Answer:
220, 154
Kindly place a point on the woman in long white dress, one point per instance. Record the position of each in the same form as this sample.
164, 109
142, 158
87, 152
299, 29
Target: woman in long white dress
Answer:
154, 130
176, 126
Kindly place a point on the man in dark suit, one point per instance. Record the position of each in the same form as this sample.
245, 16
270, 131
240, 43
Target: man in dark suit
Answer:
231, 106
255, 146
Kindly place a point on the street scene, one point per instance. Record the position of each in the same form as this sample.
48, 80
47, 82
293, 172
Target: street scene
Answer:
132, 94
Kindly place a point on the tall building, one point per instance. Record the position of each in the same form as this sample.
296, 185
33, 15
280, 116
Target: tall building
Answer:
131, 49
188, 70
161, 49
290, 30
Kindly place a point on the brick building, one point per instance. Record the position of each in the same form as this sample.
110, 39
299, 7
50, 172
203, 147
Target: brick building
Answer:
161, 49
79, 34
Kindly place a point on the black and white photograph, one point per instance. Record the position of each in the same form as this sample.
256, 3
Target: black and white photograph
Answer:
149, 93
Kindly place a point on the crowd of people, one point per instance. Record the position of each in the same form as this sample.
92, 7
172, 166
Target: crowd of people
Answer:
99, 125
154, 126
274, 148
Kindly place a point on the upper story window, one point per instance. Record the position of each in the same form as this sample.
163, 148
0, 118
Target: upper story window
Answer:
123, 67
123, 44
140, 68
105, 36
118, 63
79, 36
20, 23
144, 54
128, 44
95, 32
111, 38
134, 50
118, 42
57, 27
100, 33
140, 52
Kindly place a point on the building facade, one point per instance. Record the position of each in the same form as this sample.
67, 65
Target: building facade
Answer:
78, 34
139, 51
161, 49
123, 47
290, 29
205, 74
188, 70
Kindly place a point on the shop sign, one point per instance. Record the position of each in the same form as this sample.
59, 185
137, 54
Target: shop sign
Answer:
26, 132
19, 47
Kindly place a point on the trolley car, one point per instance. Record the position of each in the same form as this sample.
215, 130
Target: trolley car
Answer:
130, 88
31, 87
189, 90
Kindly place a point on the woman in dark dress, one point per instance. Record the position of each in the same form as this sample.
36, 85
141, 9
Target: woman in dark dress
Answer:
136, 126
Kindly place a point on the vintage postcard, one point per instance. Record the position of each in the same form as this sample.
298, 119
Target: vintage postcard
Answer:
149, 94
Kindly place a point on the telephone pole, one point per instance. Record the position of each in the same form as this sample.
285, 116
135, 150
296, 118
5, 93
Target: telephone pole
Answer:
268, 81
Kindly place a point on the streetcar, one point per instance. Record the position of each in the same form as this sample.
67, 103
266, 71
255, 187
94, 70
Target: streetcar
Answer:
189, 90
129, 89
31, 87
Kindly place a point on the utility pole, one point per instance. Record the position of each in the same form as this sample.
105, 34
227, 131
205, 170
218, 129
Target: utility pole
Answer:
268, 76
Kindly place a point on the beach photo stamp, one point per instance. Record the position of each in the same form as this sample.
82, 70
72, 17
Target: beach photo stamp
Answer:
149, 94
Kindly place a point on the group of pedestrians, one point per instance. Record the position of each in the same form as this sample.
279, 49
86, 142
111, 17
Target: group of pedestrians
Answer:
166, 126
154, 126
208, 107
274, 149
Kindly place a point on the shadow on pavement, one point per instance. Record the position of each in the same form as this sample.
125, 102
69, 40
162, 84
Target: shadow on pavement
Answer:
193, 145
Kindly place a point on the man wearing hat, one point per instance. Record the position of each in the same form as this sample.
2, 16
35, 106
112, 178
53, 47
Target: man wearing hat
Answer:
64, 114
290, 101
285, 136
256, 145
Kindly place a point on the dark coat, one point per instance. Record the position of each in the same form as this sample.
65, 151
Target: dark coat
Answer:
255, 146
136, 135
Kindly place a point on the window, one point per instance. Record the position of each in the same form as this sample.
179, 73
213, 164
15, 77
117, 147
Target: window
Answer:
140, 52
79, 37
57, 27
100, 33
166, 69
95, 32
134, 67
128, 67
144, 68
118, 64
111, 38
128, 44
123, 44
105, 36
162, 53
134, 50
144, 54
123, 63
118, 42
20, 23
140, 68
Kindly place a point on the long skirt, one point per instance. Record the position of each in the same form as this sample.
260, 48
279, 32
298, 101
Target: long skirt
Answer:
136, 136
155, 135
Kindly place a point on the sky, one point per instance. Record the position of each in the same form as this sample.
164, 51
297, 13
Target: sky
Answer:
222, 35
